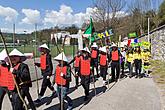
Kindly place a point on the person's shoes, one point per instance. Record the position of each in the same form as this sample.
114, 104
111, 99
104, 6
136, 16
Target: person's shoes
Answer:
98, 75
136, 76
86, 98
69, 108
116, 80
104, 83
53, 94
76, 87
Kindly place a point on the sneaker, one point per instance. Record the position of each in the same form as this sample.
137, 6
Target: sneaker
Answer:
85, 98
53, 94
104, 83
69, 108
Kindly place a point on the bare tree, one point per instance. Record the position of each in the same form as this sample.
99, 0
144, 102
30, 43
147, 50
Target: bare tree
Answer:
107, 10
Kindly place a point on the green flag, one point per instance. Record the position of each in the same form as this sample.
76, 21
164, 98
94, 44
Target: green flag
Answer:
89, 28
132, 35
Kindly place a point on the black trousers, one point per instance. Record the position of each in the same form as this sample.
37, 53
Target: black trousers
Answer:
130, 67
3, 91
77, 72
94, 63
122, 67
138, 66
103, 72
115, 66
45, 83
17, 102
85, 82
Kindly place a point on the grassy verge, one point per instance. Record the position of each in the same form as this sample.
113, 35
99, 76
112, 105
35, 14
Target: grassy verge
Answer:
69, 50
158, 71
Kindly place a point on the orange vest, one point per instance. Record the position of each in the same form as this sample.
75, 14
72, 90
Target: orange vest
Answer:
60, 80
11, 84
6, 78
115, 55
77, 61
3, 76
85, 67
43, 62
103, 60
94, 54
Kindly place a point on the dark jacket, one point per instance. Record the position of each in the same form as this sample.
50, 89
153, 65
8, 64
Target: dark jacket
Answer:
23, 78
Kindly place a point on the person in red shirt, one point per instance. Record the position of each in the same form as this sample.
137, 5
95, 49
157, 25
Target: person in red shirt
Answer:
94, 58
62, 78
103, 64
76, 61
46, 70
115, 64
85, 71
4, 78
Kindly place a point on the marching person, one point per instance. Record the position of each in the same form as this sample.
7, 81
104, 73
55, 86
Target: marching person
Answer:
138, 61
76, 61
6, 79
62, 79
46, 70
85, 71
23, 80
146, 60
103, 64
130, 60
122, 61
115, 64
94, 58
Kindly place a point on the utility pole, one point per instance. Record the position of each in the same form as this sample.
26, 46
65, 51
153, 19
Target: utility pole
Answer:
35, 38
148, 29
14, 35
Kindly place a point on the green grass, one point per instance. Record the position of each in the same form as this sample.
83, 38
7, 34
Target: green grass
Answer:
158, 71
69, 50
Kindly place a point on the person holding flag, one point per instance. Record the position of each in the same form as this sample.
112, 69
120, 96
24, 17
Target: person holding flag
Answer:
62, 78
94, 58
46, 70
23, 80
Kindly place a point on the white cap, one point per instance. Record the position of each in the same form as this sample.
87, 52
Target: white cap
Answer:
44, 46
94, 45
103, 49
15, 52
86, 50
3, 55
114, 45
61, 57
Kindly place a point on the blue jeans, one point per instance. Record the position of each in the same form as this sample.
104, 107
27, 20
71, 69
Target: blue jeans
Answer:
64, 96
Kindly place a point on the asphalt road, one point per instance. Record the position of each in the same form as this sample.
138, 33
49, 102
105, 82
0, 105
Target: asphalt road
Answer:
127, 94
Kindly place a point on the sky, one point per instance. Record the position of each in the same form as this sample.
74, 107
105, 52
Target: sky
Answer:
45, 13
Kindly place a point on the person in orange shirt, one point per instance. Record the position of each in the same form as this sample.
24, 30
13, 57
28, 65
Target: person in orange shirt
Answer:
62, 78
4, 78
85, 71
103, 64
46, 70
115, 64
94, 58
76, 61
